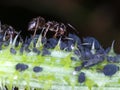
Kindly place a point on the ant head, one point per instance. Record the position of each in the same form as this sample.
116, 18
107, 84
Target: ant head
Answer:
8, 29
39, 21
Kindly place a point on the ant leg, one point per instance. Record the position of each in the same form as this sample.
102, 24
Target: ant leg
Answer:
15, 39
46, 30
11, 40
4, 36
36, 27
56, 33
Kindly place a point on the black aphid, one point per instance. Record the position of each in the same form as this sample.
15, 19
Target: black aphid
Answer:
114, 59
13, 51
63, 45
77, 52
110, 69
90, 40
45, 52
44, 40
21, 67
51, 43
78, 68
93, 61
75, 38
21, 50
6, 43
27, 50
86, 54
35, 50
74, 58
81, 77
37, 69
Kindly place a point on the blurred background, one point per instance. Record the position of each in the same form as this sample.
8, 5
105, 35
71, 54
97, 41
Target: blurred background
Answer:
97, 18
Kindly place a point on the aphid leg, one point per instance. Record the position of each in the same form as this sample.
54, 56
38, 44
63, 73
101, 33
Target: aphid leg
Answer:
36, 26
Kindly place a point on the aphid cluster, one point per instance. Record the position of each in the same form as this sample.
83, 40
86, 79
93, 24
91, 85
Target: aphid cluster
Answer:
88, 51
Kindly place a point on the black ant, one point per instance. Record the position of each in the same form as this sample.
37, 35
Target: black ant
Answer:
60, 29
8, 33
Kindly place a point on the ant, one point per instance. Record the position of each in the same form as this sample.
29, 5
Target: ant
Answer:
39, 23
8, 33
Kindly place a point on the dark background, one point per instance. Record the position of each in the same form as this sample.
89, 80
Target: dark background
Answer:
97, 18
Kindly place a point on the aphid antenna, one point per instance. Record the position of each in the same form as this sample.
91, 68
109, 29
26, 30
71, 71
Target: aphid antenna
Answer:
15, 39
85, 44
68, 38
93, 51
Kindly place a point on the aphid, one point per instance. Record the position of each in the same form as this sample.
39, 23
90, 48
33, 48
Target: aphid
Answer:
81, 77
77, 52
13, 51
36, 50
37, 69
78, 68
63, 45
21, 67
45, 52
112, 59
110, 69
73, 58
74, 38
51, 43
90, 40
86, 54
93, 61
